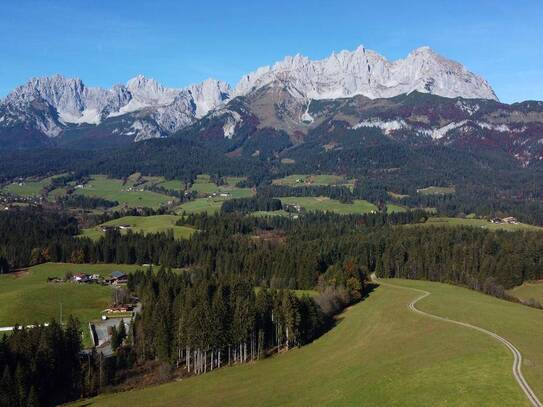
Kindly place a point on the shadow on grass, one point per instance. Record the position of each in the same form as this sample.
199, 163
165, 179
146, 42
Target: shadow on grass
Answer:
368, 289
333, 321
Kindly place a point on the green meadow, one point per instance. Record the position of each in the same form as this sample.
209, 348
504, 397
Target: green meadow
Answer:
200, 205
330, 205
394, 195
28, 187
528, 291
114, 190
27, 297
298, 180
145, 224
380, 354
204, 187
392, 208
436, 190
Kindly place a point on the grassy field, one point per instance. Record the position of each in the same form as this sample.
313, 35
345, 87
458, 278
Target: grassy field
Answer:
173, 184
30, 187
528, 291
145, 224
478, 223
204, 187
436, 190
114, 190
396, 196
209, 205
55, 194
521, 325
330, 205
380, 354
300, 180
391, 208
27, 297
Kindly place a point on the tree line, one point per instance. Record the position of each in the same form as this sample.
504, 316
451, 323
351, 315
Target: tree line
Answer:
479, 259
278, 252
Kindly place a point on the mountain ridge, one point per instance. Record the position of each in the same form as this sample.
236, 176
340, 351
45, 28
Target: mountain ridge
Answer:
279, 106
365, 72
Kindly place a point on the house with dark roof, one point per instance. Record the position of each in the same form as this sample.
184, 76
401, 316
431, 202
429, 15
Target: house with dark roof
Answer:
118, 277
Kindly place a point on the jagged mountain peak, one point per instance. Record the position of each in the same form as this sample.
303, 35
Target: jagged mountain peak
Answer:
69, 101
209, 94
365, 72
143, 85
50, 88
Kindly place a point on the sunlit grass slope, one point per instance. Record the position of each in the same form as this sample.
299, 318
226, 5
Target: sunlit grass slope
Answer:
380, 354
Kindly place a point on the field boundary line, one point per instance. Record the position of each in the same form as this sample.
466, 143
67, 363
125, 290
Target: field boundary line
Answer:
517, 356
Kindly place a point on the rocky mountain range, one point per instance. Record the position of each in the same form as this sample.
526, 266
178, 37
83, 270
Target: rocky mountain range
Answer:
52, 105
365, 72
421, 99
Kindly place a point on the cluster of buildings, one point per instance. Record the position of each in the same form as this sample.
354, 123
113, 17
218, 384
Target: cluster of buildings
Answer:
221, 194
116, 278
119, 309
305, 181
510, 220
105, 228
293, 208
132, 189
7, 201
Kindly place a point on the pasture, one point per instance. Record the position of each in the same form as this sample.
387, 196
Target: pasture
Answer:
127, 194
145, 224
394, 195
200, 205
26, 297
380, 353
300, 180
28, 187
528, 291
204, 187
330, 205
393, 208
436, 190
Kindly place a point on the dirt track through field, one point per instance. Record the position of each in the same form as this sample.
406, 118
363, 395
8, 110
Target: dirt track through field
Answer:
517, 356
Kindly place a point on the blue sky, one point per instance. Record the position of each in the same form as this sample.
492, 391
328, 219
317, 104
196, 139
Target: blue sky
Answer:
183, 42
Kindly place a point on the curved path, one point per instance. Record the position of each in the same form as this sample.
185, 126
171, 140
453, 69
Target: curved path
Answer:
517, 356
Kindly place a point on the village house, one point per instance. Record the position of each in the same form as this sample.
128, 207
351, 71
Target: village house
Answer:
118, 277
293, 208
108, 228
80, 278
510, 220
119, 309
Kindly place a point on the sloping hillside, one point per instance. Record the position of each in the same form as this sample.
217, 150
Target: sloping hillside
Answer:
381, 353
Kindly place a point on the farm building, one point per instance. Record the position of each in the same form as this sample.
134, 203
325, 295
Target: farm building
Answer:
118, 277
80, 277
